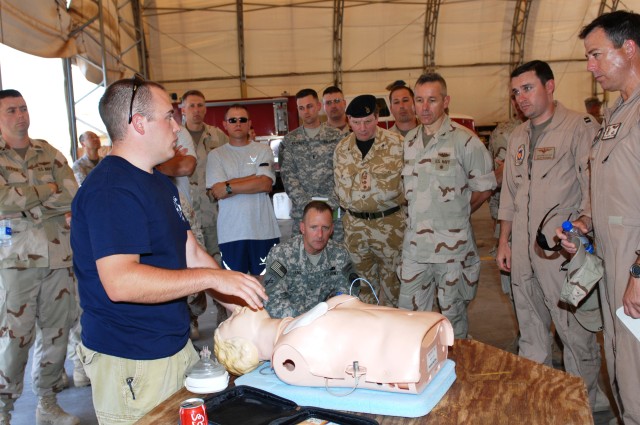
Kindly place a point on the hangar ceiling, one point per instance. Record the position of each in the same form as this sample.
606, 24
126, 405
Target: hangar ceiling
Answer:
235, 49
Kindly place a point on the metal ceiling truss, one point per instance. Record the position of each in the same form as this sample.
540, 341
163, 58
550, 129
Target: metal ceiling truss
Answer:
518, 38
241, 54
430, 33
133, 29
338, 19
519, 33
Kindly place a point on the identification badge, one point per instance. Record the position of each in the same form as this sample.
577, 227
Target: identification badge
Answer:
611, 131
541, 154
365, 181
520, 155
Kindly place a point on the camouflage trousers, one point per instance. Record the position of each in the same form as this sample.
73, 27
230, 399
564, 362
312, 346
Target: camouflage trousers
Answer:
192, 218
75, 337
37, 297
210, 235
197, 302
457, 284
375, 247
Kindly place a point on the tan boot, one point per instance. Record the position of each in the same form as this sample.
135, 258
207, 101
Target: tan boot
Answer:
49, 413
5, 418
64, 380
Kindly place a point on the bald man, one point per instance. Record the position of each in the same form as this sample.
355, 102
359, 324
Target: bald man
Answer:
90, 142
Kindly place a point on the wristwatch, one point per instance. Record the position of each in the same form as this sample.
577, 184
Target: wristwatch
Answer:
229, 191
634, 270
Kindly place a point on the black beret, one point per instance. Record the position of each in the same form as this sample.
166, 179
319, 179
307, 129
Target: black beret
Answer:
362, 106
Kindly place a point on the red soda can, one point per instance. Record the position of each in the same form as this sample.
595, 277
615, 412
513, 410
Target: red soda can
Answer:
193, 412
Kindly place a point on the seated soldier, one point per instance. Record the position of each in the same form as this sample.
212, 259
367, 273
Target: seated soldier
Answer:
342, 342
308, 268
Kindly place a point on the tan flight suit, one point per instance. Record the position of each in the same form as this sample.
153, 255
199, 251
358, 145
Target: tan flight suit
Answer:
372, 184
615, 204
37, 287
439, 249
559, 174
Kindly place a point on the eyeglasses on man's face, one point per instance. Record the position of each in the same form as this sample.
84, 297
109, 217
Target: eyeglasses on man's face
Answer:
333, 102
137, 81
234, 120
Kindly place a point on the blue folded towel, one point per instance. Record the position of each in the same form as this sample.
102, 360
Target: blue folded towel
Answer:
360, 400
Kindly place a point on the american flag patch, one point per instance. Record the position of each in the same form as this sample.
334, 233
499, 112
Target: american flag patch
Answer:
278, 269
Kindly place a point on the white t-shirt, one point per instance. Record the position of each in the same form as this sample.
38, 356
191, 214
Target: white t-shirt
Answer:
243, 216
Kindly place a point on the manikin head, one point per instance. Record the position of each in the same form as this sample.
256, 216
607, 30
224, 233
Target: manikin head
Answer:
245, 339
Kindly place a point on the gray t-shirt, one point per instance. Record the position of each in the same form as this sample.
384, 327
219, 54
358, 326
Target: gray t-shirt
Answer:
243, 216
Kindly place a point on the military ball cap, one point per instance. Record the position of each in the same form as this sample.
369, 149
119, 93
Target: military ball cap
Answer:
362, 106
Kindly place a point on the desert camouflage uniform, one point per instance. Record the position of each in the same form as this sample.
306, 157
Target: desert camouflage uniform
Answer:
439, 247
395, 129
206, 208
184, 186
498, 143
36, 279
306, 168
345, 130
200, 210
294, 284
82, 167
373, 184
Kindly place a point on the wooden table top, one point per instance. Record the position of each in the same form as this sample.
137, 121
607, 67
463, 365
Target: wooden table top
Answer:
492, 387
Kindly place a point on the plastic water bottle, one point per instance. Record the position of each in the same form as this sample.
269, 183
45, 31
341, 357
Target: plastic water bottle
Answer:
5, 232
573, 233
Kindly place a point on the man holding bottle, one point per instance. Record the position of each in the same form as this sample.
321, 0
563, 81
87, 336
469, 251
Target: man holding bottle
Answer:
546, 164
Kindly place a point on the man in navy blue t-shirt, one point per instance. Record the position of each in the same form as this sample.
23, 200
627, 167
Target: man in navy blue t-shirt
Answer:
137, 260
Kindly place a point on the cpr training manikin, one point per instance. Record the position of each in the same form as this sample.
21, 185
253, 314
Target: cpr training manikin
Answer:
342, 342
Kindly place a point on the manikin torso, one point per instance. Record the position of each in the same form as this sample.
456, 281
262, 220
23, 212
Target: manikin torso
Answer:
345, 343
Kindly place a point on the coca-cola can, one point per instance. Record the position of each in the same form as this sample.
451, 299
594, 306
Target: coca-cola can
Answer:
193, 412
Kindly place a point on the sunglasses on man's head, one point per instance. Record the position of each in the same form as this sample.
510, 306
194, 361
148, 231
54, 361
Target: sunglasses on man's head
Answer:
235, 120
541, 239
137, 81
